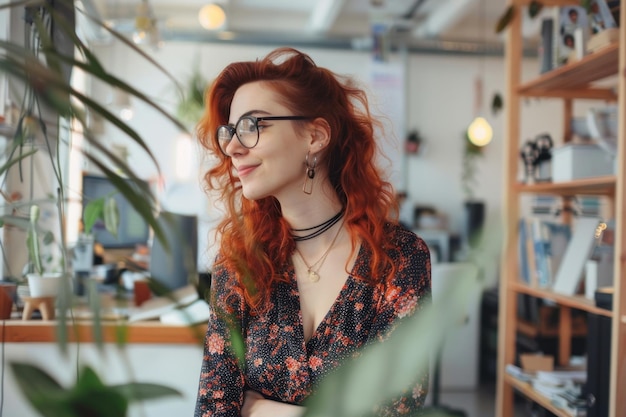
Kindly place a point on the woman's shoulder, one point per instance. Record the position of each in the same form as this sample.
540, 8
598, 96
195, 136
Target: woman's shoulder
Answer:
399, 237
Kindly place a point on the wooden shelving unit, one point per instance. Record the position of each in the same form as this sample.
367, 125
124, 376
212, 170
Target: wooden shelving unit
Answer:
528, 391
577, 302
588, 186
584, 79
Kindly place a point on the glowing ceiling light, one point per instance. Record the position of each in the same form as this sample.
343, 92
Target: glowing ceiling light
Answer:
212, 16
480, 132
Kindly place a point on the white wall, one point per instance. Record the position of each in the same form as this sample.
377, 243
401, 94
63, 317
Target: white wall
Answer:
440, 104
174, 366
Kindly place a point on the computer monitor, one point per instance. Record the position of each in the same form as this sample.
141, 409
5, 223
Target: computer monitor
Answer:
175, 265
133, 229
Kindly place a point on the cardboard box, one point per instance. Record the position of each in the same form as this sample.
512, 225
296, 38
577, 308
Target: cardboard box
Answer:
576, 161
532, 362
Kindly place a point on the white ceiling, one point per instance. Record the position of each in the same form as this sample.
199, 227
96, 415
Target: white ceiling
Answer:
343, 22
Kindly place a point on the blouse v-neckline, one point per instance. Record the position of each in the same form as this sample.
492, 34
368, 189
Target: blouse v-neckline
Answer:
315, 336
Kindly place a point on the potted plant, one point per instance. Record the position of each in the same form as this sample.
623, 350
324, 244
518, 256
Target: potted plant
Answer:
41, 282
474, 208
45, 108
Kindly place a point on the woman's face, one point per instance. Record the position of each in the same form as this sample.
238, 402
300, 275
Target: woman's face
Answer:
275, 166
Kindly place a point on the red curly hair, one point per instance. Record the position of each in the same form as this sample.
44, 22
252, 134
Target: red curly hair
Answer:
255, 239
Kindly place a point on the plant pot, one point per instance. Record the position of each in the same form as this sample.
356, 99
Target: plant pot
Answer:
7, 297
474, 221
46, 285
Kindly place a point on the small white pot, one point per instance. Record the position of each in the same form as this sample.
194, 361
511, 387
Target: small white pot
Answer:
46, 285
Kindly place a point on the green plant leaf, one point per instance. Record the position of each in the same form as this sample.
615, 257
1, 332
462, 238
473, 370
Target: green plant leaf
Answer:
121, 335
138, 197
497, 103
17, 221
505, 19
41, 390
93, 211
54, 92
96, 308
132, 46
111, 216
534, 8
48, 238
12, 161
136, 391
93, 67
90, 397
32, 242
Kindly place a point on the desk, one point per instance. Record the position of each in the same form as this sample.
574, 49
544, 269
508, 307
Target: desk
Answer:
169, 355
148, 332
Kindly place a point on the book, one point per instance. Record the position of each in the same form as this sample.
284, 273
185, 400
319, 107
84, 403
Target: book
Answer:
562, 377
578, 251
543, 262
545, 46
155, 307
559, 235
533, 279
195, 313
524, 270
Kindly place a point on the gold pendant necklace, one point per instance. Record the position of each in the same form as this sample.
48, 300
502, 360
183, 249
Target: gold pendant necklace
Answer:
314, 275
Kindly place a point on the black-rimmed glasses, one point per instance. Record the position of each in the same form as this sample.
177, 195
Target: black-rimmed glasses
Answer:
246, 130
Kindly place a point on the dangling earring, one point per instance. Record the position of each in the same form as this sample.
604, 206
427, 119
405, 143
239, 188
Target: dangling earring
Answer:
307, 187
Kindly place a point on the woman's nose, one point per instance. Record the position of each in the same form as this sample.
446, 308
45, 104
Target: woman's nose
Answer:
235, 147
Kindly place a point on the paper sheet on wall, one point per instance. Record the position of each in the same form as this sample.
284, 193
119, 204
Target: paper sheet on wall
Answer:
576, 255
387, 80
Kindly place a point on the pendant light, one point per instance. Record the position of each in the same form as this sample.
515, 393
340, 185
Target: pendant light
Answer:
479, 131
212, 16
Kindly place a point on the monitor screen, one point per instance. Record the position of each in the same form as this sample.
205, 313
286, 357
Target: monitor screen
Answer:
133, 229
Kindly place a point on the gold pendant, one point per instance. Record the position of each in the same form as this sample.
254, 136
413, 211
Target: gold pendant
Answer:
313, 276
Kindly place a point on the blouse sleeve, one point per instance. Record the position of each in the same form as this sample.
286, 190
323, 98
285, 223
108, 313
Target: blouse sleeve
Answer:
220, 391
406, 293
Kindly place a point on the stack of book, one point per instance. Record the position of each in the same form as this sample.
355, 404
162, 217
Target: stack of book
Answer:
573, 401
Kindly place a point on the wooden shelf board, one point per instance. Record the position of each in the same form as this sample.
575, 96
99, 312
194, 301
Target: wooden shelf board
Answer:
577, 75
527, 390
588, 186
576, 301
532, 330
607, 94
149, 332
548, 3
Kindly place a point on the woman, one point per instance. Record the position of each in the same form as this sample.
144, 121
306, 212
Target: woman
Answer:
310, 267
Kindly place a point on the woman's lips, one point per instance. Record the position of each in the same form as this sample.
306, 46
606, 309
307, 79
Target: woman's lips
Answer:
245, 170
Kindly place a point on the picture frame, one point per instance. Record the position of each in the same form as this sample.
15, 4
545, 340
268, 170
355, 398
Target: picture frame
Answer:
570, 32
600, 17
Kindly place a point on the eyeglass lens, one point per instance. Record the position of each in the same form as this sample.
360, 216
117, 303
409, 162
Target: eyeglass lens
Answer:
245, 129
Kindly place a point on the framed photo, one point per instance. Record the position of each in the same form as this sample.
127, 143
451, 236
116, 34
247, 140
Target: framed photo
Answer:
571, 19
600, 16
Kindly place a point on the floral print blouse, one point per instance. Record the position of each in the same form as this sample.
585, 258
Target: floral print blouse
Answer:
280, 364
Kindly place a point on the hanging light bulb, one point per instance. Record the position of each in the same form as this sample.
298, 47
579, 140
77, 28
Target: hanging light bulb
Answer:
480, 132
212, 16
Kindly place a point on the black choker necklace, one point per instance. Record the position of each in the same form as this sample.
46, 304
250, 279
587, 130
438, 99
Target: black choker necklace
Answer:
319, 229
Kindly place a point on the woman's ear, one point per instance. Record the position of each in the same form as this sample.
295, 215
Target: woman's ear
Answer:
320, 135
